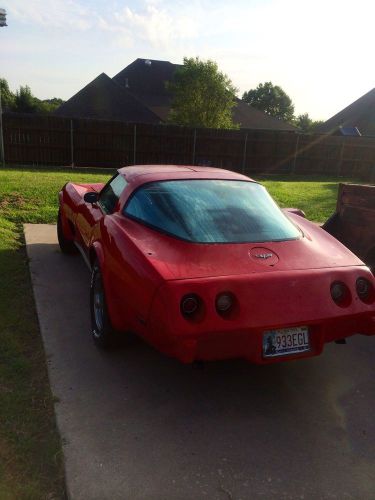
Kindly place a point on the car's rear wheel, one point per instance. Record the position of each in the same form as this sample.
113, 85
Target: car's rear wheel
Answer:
66, 245
101, 329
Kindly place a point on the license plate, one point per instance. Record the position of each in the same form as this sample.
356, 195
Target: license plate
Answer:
285, 341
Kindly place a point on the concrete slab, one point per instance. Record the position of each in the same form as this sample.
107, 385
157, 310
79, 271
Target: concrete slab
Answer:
137, 425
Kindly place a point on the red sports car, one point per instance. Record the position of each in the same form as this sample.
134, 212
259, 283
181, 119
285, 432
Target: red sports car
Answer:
204, 265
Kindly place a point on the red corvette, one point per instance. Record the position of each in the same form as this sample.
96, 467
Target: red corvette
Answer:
204, 265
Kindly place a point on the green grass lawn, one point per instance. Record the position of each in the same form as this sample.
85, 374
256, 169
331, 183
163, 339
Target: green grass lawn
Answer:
315, 196
31, 465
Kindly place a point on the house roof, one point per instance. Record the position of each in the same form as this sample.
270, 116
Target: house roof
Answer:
359, 114
147, 77
139, 93
105, 99
249, 117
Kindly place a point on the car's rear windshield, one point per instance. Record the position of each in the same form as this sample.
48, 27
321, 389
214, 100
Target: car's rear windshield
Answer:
211, 211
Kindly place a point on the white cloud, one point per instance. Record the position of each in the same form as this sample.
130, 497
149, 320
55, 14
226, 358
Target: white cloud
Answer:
54, 14
156, 24
320, 52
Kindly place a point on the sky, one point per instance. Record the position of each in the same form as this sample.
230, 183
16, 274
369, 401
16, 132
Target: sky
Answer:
320, 52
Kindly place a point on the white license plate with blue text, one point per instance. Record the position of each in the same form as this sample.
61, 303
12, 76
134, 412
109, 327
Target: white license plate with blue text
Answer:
286, 341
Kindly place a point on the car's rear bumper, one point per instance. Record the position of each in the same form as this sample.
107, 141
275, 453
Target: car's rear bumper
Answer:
248, 343
265, 303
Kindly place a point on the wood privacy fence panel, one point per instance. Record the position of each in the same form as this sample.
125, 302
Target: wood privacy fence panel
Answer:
218, 148
101, 143
318, 153
51, 140
39, 140
163, 144
270, 151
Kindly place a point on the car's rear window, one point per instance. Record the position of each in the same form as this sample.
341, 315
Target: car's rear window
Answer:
211, 211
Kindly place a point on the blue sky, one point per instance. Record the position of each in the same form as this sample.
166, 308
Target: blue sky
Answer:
321, 52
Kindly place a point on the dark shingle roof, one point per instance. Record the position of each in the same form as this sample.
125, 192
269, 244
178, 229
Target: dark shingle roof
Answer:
105, 99
359, 114
249, 117
139, 94
146, 78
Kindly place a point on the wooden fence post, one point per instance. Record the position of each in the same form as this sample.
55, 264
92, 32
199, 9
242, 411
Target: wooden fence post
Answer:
135, 144
244, 153
295, 155
2, 152
71, 144
194, 142
339, 169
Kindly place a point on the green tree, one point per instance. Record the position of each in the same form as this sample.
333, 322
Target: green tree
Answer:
49, 105
306, 124
7, 97
272, 100
25, 102
202, 96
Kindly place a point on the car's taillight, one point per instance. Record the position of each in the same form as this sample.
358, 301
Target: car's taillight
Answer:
340, 293
190, 305
224, 302
364, 289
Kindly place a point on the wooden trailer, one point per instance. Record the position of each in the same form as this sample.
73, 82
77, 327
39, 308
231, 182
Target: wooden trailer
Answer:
353, 223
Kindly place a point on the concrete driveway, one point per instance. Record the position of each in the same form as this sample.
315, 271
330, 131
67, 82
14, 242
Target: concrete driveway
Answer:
137, 425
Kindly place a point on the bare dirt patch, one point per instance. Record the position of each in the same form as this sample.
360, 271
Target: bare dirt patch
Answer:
11, 200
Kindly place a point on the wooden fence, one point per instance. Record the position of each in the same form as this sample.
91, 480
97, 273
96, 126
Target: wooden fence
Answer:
50, 140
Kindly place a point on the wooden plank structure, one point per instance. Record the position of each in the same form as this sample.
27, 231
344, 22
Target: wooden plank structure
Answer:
353, 223
53, 140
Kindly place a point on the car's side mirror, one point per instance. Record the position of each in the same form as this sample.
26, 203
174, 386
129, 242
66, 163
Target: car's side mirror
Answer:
91, 197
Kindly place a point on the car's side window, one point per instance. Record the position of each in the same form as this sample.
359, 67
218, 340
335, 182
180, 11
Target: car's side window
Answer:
111, 193
152, 205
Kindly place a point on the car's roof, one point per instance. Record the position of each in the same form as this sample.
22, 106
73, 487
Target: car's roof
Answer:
149, 173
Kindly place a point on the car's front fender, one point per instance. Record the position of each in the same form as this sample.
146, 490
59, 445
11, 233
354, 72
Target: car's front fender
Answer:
96, 253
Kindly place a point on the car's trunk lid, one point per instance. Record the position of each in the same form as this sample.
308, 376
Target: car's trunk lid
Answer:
177, 259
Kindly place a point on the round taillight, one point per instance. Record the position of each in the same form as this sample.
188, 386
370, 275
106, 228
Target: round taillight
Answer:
338, 292
224, 302
189, 304
364, 289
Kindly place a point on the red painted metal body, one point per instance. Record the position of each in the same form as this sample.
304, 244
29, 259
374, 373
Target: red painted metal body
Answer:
146, 273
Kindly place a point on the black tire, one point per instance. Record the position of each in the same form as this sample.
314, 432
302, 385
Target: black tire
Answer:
66, 246
101, 329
